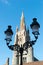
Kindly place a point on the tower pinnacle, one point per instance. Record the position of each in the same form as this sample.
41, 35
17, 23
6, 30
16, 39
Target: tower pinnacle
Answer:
22, 23
7, 62
22, 15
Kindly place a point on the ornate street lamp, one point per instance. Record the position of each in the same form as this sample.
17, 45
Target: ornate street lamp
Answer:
35, 27
35, 30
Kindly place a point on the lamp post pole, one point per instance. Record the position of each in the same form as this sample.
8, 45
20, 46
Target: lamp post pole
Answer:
35, 31
21, 54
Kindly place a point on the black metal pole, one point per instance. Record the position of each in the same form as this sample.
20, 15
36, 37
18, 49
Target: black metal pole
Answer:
21, 63
21, 53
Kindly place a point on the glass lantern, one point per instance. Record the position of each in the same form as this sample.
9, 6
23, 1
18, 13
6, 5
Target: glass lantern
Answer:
35, 27
9, 34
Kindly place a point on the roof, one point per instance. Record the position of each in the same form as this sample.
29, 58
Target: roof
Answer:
35, 59
34, 63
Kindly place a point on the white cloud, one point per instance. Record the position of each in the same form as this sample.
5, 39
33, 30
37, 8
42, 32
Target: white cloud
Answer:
5, 1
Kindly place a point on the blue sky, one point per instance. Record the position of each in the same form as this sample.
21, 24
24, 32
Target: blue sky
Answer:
10, 14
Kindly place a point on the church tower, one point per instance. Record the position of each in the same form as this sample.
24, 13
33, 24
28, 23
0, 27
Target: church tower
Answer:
22, 35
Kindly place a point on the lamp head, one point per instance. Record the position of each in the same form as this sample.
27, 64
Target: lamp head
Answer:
35, 27
9, 34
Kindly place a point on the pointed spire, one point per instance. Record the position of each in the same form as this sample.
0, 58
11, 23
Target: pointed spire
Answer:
7, 62
22, 24
22, 17
17, 29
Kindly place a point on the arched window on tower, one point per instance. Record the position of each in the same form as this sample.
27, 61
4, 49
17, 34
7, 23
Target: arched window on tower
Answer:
24, 59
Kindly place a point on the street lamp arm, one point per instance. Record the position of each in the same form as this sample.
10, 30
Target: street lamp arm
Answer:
28, 44
15, 47
33, 42
11, 47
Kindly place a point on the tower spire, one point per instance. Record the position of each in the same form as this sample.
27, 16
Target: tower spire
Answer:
22, 23
7, 62
22, 15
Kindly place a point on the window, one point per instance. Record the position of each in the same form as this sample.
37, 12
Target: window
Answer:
24, 59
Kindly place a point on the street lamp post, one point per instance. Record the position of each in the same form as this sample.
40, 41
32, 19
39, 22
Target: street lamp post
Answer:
35, 31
